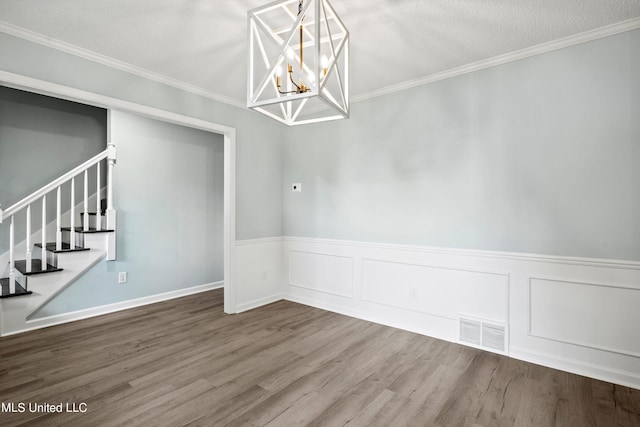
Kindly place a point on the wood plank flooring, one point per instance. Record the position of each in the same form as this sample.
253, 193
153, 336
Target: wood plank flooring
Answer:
184, 362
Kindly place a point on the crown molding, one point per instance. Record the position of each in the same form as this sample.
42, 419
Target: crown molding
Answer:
72, 49
587, 36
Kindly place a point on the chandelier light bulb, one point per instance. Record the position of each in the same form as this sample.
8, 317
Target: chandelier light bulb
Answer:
289, 59
324, 61
324, 64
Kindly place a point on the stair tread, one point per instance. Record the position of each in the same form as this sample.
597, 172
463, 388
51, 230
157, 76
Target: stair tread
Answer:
4, 289
66, 247
93, 213
36, 267
80, 229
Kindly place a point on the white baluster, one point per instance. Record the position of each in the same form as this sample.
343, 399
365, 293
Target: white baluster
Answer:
44, 233
98, 205
58, 220
111, 213
12, 260
72, 235
85, 222
28, 255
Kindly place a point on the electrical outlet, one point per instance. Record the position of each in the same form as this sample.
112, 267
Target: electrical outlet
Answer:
412, 293
122, 277
296, 187
263, 275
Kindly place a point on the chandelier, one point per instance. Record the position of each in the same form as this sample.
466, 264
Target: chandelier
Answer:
298, 62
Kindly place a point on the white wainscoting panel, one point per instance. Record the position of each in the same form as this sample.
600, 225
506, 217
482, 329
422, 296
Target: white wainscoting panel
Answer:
440, 291
576, 314
331, 274
258, 264
599, 316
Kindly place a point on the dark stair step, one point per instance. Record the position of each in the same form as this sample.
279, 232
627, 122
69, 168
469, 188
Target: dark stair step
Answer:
93, 213
51, 247
4, 288
36, 267
80, 229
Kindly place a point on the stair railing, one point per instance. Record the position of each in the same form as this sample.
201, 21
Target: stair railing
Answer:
56, 185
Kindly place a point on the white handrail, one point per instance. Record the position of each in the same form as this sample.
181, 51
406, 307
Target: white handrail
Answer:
53, 184
110, 155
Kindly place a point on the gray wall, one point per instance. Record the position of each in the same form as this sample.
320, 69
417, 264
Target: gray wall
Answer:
258, 176
259, 146
169, 198
41, 138
541, 156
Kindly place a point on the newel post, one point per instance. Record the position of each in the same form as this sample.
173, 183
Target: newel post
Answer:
111, 212
111, 162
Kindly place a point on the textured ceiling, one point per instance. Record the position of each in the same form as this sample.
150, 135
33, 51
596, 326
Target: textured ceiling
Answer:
202, 43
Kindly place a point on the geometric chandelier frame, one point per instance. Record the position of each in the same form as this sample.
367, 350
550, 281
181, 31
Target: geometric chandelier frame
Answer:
298, 64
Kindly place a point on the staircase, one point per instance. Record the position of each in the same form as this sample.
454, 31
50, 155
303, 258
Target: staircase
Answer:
52, 264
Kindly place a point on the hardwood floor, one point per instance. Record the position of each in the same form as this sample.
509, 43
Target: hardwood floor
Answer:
184, 362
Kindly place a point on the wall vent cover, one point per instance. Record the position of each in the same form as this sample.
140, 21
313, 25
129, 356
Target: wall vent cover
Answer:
483, 334
471, 331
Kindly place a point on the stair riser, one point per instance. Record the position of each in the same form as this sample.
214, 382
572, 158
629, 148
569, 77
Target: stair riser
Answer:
52, 257
92, 240
16, 312
93, 221
21, 279
66, 237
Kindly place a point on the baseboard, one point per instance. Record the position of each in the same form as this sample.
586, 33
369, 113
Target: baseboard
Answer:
250, 305
602, 373
427, 290
362, 315
625, 378
59, 319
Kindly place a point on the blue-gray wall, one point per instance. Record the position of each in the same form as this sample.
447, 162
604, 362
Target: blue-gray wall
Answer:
541, 155
169, 199
41, 138
259, 145
258, 179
